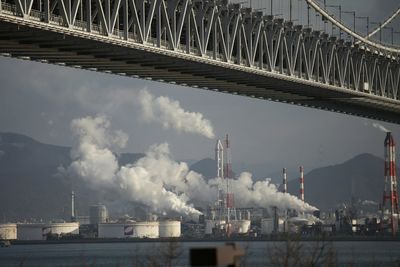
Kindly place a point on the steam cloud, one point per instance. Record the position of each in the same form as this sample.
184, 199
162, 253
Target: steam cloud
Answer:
94, 162
170, 114
380, 127
262, 194
156, 180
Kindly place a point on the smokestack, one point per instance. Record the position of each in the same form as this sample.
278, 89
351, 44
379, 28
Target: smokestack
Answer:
390, 195
302, 183
284, 181
228, 171
219, 158
72, 206
230, 199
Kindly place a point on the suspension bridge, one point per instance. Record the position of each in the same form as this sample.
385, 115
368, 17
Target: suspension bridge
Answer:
213, 45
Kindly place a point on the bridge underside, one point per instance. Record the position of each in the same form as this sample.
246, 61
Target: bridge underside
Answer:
145, 62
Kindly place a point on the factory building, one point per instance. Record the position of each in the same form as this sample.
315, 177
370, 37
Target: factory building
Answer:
8, 231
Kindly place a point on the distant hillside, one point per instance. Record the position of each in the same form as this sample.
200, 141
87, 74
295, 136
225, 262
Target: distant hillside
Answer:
361, 177
30, 186
206, 167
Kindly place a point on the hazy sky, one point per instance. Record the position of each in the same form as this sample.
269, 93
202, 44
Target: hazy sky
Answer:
40, 100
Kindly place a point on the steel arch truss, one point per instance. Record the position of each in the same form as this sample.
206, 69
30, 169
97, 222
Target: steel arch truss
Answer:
226, 33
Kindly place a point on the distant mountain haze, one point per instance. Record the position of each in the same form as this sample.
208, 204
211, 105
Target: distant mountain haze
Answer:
361, 177
31, 186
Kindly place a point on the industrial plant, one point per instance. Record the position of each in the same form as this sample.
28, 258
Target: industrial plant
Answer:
222, 218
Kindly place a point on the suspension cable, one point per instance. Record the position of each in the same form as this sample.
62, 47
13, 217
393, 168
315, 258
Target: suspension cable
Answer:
344, 28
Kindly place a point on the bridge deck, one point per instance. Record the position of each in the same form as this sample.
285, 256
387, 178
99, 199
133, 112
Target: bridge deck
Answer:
100, 53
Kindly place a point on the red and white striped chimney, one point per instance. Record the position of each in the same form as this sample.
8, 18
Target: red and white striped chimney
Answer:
301, 183
390, 195
284, 190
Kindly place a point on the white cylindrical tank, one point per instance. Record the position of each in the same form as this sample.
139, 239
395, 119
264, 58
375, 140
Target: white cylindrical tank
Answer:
169, 229
354, 226
267, 226
210, 224
8, 231
111, 230
98, 214
241, 226
32, 231
146, 229
64, 228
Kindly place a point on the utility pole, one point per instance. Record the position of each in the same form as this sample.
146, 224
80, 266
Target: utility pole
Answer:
392, 33
354, 21
367, 19
380, 29
339, 7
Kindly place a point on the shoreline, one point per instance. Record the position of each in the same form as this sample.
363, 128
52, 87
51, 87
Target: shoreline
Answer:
202, 240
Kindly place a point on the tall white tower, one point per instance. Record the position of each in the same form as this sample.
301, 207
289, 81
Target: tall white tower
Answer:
73, 219
219, 158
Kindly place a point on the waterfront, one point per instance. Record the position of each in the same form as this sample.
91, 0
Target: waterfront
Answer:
377, 253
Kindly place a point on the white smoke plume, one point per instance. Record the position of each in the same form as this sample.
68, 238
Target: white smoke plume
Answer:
261, 194
91, 155
170, 114
369, 202
94, 162
178, 178
380, 127
156, 180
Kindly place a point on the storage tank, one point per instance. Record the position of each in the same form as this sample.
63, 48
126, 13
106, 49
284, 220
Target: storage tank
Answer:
98, 214
267, 226
210, 224
32, 231
169, 229
354, 225
146, 229
64, 228
8, 231
131, 230
241, 226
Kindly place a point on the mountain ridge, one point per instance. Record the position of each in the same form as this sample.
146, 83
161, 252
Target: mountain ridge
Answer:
31, 187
